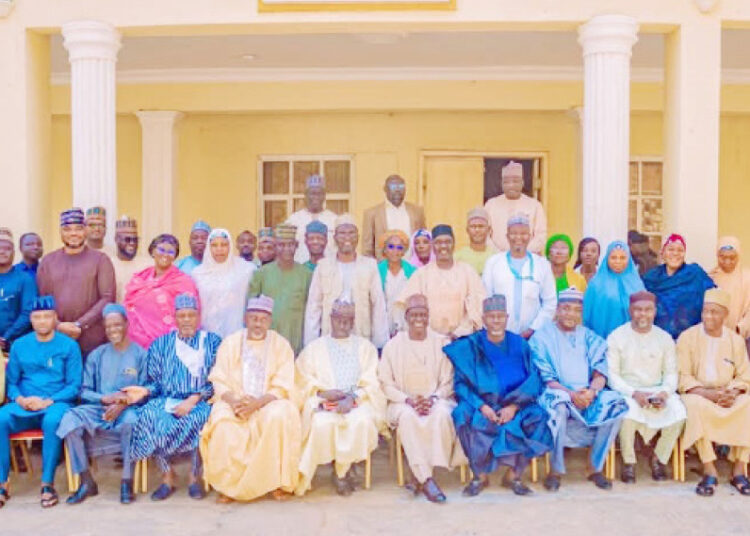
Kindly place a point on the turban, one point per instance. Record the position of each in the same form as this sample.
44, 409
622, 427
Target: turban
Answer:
6, 234
519, 218
200, 225
442, 229
114, 308
344, 219
416, 300
342, 307
570, 295
285, 231
512, 169
729, 243
642, 295
315, 181
386, 236
73, 216
265, 234
496, 302
671, 239
478, 213
185, 301
260, 303
317, 227
43, 303
717, 296
126, 224
219, 233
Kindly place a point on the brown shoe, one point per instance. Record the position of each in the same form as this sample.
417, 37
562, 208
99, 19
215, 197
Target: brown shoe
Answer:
658, 469
432, 491
628, 473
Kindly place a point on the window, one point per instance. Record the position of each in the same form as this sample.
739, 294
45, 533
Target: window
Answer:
645, 211
283, 184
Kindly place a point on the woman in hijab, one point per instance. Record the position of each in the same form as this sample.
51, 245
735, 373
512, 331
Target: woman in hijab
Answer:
222, 279
558, 251
607, 299
422, 247
729, 275
679, 288
587, 262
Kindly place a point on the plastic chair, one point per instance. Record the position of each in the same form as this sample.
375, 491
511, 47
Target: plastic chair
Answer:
37, 435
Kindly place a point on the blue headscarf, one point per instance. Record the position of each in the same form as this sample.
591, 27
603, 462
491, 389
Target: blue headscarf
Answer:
607, 299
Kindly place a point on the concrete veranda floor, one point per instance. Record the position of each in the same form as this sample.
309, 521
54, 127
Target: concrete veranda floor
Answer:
578, 508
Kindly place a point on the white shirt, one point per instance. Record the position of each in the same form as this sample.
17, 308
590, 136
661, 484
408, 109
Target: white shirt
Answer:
397, 218
300, 219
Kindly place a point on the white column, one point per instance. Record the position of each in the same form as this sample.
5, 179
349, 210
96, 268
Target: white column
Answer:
159, 172
92, 48
607, 42
691, 131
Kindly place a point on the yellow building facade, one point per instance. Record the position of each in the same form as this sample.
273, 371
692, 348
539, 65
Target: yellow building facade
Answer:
217, 107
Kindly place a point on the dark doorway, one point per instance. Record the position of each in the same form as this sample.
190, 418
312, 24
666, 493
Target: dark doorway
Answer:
493, 183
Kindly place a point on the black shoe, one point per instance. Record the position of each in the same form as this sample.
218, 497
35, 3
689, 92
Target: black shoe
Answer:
162, 492
85, 490
196, 491
475, 487
628, 473
658, 470
552, 483
600, 481
517, 486
126, 492
343, 485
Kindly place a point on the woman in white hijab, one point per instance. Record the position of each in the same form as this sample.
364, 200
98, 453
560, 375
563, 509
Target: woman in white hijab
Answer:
222, 280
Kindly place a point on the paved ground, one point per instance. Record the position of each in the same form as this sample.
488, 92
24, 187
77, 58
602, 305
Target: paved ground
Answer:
579, 508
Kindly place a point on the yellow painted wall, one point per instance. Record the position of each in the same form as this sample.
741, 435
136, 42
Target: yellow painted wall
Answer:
734, 172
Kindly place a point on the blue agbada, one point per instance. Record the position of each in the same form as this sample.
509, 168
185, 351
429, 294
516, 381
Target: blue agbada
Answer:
606, 303
679, 297
497, 375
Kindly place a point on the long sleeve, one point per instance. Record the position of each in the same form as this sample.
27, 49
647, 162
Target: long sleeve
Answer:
548, 296
43, 283
614, 360
313, 309
89, 392
378, 314
528, 392
487, 275
472, 319
445, 379
13, 374
387, 376
368, 233
281, 384
107, 287
22, 323
213, 341
539, 239
741, 379
221, 376
256, 284
669, 370
465, 391
73, 375
685, 346
154, 368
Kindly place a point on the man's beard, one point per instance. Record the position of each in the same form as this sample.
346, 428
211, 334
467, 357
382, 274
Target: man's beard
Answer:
74, 245
126, 254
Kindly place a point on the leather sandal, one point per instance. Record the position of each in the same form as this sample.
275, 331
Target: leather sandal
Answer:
475, 487
432, 491
4, 496
658, 470
517, 486
627, 474
51, 499
162, 492
413, 486
706, 486
552, 483
741, 484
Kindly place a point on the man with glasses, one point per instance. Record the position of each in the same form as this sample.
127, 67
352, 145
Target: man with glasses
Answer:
96, 229
127, 262
480, 248
393, 213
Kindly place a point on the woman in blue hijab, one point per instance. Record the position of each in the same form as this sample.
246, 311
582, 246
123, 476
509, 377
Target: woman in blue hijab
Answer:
607, 298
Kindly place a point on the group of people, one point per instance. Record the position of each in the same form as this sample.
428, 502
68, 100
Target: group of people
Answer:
297, 351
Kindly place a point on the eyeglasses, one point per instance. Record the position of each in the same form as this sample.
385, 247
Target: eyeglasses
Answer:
130, 239
397, 187
397, 247
164, 251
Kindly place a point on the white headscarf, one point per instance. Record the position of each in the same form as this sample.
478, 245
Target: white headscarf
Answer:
222, 288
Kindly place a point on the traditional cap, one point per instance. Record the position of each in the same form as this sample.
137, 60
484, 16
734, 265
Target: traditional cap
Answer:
416, 300
126, 223
219, 233
6, 234
317, 227
344, 219
315, 181
519, 218
72, 216
717, 296
671, 239
265, 234
43, 303
114, 308
478, 212
496, 302
570, 295
185, 301
512, 169
729, 243
342, 307
386, 236
442, 229
285, 231
200, 225
98, 212
260, 303
642, 295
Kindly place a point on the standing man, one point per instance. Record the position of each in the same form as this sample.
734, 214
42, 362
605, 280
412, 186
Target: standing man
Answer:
246, 243
198, 240
315, 199
524, 278
352, 278
96, 229
513, 201
32, 249
287, 282
316, 240
127, 262
392, 214
453, 289
643, 368
82, 281
17, 295
480, 248
266, 246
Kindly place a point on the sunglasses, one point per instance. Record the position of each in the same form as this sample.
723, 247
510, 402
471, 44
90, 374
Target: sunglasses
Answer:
165, 251
130, 239
397, 187
397, 247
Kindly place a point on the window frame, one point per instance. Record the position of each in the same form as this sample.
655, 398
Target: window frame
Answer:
640, 196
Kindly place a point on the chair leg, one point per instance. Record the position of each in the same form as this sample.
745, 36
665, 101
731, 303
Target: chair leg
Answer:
137, 477
399, 460
676, 461
534, 470
73, 480
612, 462
682, 456
546, 464
462, 473
27, 458
13, 459
144, 475
368, 471
392, 448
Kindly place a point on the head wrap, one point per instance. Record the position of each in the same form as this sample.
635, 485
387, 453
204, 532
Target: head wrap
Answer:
112, 308
260, 303
414, 261
200, 225
72, 216
219, 233
126, 223
570, 295
386, 236
43, 303
496, 302
185, 301
441, 229
416, 300
519, 218
315, 181
671, 239
285, 231
165, 238
642, 295
342, 307
478, 213
6, 234
558, 238
729, 243
717, 296
265, 234
96, 213
344, 219
316, 227
512, 169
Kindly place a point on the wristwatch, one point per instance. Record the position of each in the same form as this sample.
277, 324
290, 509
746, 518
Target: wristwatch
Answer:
78, 325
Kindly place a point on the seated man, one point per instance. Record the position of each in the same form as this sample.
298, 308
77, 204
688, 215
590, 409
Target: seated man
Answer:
177, 382
417, 380
643, 368
343, 408
44, 378
252, 440
714, 382
497, 418
103, 423
572, 361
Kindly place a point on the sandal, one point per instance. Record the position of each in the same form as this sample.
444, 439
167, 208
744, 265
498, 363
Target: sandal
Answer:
4, 496
741, 484
475, 487
706, 486
51, 499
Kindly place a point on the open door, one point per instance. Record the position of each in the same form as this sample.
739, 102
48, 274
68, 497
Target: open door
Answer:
453, 185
